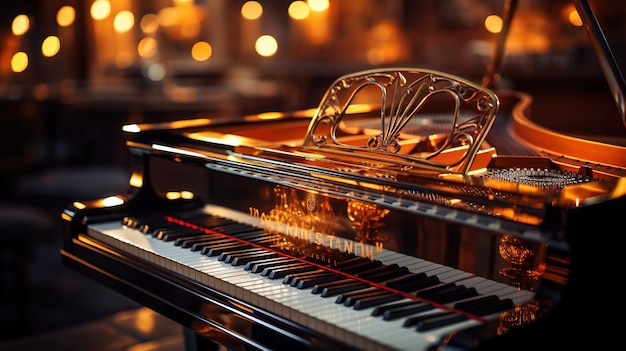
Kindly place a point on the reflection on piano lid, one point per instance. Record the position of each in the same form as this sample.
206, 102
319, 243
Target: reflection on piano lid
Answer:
409, 211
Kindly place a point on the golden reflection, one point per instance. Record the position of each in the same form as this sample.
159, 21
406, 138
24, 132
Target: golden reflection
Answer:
144, 321
521, 255
111, 201
79, 205
270, 115
184, 194
136, 180
366, 219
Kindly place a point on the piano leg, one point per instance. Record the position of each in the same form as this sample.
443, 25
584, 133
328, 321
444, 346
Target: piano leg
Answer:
195, 342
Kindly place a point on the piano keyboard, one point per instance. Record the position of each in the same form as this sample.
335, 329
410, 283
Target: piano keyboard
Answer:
393, 302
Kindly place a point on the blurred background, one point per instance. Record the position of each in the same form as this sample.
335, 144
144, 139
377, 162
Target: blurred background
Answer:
72, 72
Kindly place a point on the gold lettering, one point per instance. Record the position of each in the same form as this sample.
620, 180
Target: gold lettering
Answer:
348, 246
319, 238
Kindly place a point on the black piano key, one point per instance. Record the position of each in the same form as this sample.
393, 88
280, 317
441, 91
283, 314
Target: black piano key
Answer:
211, 221
431, 292
254, 264
350, 301
342, 288
410, 277
351, 260
197, 244
372, 301
187, 242
167, 235
456, 295
439, 321
228, 255
281, 266
490, 308
413, 321
281, 273
244, 259
295, 277
380, 310
387, 275
399, 311
477, 302
342, 298
215, 250
417, 284
311, 282
318, 288
360, 267
259, 267
149, 224
378, 270
129, 221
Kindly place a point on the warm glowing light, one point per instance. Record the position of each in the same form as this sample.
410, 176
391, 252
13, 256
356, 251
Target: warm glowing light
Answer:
131, 128
147, 47
19, 62
100, 9
50, 46
136, 181
112, 201
66, 16
124, 21
149, 23
20, 24
574, 18
493, 23
266, 45
173, 195
201, 51
299, 10
79, 205
168, 16
251, 10
270, 115
318, 5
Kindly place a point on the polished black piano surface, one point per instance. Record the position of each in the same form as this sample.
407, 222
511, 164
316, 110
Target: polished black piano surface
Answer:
412, 210
358, 226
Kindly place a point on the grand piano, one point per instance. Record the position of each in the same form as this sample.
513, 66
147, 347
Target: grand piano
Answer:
411, 210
